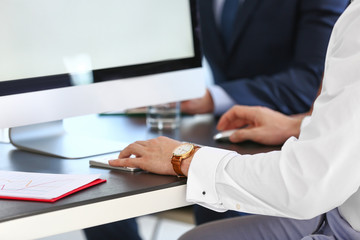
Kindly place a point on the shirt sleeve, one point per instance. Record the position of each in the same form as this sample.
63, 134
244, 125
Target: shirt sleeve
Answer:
310, 175
222, 100
200, 191
305, 122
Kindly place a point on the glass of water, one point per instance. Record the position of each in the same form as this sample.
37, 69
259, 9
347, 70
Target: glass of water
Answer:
163, 116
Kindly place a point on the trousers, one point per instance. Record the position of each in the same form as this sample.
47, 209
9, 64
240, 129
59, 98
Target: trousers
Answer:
329, 226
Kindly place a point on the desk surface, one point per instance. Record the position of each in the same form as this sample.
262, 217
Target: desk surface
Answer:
124, 194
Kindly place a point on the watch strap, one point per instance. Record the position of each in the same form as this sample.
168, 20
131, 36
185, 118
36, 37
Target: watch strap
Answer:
176, 163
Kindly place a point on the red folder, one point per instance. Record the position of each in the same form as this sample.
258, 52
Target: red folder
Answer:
95, 182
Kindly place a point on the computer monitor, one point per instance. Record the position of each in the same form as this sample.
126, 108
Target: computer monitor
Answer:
66, 58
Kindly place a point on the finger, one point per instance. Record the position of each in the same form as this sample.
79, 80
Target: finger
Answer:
136, 148
125, 162
236, 124
228, 118
245, 134
236, 117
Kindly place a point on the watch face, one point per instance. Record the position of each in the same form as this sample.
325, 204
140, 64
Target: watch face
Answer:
183, 149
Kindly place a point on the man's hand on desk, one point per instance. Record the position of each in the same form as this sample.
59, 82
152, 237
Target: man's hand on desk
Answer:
153, 155
201, 105
260, 124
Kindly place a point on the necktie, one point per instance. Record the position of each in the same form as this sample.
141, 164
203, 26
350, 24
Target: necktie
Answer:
228, 16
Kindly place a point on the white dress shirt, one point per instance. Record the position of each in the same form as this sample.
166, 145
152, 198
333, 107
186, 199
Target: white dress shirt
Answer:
310, 175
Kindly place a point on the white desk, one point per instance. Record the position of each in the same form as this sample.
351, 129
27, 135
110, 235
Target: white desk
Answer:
93, 214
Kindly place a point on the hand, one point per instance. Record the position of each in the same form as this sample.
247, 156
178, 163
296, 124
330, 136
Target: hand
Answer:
261, 125
153, 155
199, 105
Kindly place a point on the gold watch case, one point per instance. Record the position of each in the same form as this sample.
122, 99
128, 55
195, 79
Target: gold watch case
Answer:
180, 153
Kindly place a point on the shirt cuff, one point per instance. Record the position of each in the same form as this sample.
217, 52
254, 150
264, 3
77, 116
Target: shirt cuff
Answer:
201, 187
222, 100
305, 122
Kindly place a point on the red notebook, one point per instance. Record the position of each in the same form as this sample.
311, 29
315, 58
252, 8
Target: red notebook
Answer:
43, 187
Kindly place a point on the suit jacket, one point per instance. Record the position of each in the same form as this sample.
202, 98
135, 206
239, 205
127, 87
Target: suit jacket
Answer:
277, 52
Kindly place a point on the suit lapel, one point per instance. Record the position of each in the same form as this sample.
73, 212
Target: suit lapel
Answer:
243, 17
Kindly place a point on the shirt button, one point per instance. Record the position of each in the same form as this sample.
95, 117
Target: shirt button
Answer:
237, 206
204, 193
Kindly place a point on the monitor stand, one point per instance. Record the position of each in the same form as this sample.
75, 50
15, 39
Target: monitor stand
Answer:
52, 139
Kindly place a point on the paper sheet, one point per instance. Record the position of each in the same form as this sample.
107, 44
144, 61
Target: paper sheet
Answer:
41, 185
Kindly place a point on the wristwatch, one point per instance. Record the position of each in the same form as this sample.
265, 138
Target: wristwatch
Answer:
180, 153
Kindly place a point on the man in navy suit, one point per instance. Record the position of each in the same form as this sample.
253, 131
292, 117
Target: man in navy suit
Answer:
271, 55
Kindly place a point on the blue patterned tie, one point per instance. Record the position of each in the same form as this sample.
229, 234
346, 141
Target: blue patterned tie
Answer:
228, 16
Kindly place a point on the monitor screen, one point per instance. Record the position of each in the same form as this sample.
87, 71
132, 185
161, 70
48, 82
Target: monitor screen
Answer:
65, 58
60, 43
